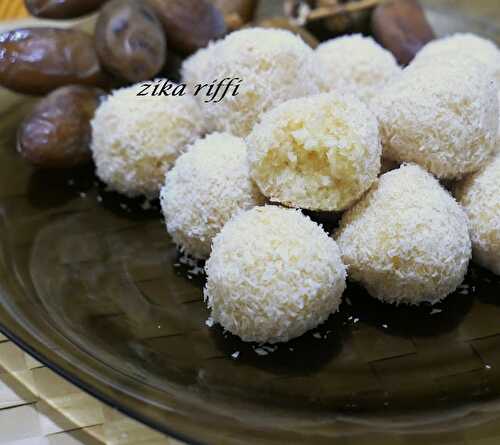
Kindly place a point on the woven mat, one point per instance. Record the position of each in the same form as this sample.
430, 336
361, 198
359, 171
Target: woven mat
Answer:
37, 407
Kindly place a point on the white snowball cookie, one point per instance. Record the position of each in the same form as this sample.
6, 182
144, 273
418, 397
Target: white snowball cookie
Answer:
354, 64
320, 152
479, 195
136, 139
197, 68
407, 240
498, 134
463, 45
273, 274
274, 65
207, 185
442, 116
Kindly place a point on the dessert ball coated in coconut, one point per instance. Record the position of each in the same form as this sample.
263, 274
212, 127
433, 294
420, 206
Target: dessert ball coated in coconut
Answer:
406, 240
356, 65
498, 134
136, 139
208, 184
273, 274
463, 45
320, 152
196, 69
273, 65
479, 195
441, 115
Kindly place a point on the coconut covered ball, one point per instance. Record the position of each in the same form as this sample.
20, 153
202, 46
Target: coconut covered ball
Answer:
407, 240
136, 139
320, 152
273, 65
498, 134
479, 195
463, 45
208, 184
273, 274
355, 64
442, 116
197, 68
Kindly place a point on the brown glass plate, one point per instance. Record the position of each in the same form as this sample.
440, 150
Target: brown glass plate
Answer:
91, 285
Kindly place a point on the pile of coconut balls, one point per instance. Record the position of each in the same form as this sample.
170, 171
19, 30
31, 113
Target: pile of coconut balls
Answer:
341, 128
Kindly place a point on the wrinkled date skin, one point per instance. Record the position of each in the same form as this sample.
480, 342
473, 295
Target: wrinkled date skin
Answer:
130, 41
189, 24
39, 60
62, 9
57, 133
402, 28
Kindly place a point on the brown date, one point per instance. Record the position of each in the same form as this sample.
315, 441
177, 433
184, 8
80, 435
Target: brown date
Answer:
62, 9
57, 133
189, 24
402, 28
130, 41
38, 60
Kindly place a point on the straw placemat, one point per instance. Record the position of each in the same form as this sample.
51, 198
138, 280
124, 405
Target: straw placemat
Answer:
37, 407
12, 9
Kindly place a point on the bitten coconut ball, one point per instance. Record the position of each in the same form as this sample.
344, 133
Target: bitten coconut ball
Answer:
463, 45
479, 195
136, 139
273, 274
273, 65
208, 184
320, 152
355, 64
407, 240
442, 116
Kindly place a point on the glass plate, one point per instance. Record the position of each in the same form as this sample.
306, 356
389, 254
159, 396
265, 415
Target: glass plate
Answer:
91, 286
